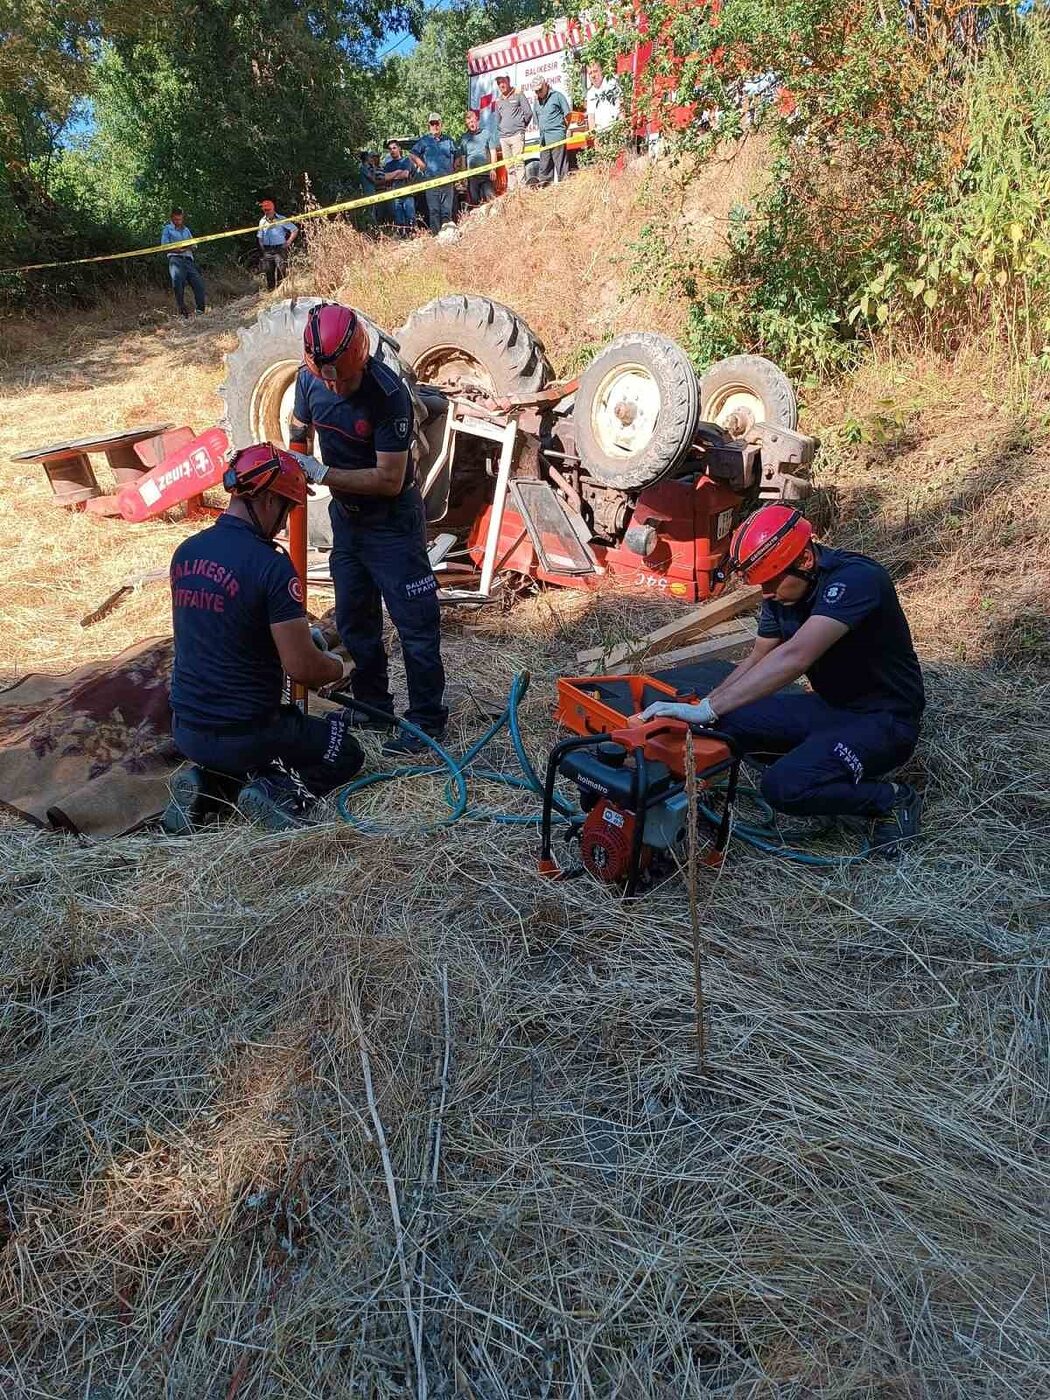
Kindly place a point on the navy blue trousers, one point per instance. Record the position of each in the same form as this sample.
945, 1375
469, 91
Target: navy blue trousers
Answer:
832, 759
321, 748
379, 555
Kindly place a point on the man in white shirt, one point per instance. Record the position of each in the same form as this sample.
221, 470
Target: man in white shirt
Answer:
182, 266
603, 99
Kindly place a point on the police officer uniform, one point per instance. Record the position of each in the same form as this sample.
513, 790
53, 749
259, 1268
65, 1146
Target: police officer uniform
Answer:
862, 719
379, 552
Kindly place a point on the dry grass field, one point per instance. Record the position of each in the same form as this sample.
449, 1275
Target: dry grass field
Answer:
351, 1114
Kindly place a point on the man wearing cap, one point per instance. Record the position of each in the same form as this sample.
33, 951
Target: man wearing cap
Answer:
275, 239
182, 267
240, 627
362, 414
513, 116
434, 155
552, 118
478, 148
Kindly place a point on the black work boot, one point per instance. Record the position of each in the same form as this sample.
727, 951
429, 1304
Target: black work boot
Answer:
277, 801
406, 745
356, 718
196, 793
893, 833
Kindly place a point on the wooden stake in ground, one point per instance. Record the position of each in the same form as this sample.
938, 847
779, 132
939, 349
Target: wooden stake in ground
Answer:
414, 1331
694, 912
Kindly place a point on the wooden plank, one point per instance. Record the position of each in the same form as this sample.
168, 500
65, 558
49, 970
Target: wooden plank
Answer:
593, 658
714, 649
684, 629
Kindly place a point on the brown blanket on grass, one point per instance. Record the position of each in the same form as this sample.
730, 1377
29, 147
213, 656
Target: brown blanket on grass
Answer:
90, 751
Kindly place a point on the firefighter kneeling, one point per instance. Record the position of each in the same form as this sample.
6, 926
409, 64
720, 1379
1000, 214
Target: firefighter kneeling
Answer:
240, 627
834, 617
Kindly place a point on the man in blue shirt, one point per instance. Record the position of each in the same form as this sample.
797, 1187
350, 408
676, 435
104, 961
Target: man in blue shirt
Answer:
398, 173
362, 413
476, 148
434, 155
240, 627
275, 239
182, 266
832, 616
551, 110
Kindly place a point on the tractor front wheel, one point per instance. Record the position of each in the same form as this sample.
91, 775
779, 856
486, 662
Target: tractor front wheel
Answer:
636, 411
743, 390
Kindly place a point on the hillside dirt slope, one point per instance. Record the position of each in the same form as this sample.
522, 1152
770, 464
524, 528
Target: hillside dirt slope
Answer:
321, 1114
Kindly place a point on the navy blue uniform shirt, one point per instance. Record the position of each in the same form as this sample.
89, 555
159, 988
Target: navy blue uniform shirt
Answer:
228, 585
377, 417
874, 666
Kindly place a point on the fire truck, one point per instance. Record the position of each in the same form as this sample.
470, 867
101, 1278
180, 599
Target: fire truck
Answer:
542, 51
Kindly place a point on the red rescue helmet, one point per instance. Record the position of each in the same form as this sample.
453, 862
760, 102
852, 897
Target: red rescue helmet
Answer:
266, 468
335, 342
769, 542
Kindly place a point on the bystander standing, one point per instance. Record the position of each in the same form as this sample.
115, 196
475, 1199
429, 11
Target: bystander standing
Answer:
399, 172
182, 266
552, 118
478, 148
603, 99
513, 113
434, 156
276, 237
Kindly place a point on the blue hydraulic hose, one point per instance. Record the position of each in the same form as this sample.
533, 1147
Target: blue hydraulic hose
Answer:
455, 791
456, 795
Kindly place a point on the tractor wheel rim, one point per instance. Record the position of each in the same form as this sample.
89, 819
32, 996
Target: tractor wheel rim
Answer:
735, 402
624, 411
451, 367
272, 401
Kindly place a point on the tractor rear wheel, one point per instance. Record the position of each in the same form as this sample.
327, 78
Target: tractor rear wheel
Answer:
260, 374
636, 411
460, 343
744, 390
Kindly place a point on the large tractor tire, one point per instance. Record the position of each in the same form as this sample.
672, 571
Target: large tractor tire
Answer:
260, 374
636, 411
744, 390
461, 343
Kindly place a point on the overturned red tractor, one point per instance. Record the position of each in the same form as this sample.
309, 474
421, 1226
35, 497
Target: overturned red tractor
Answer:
635, 473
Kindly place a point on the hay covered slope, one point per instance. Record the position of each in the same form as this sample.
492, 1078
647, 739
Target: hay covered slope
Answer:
850, 1203
196, 1202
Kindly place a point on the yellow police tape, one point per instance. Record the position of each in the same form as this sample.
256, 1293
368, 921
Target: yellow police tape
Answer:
404, 193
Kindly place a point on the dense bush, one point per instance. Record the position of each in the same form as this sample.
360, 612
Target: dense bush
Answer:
911, 184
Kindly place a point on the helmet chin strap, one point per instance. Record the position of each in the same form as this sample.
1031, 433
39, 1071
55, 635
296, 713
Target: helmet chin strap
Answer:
266, 534
807, 575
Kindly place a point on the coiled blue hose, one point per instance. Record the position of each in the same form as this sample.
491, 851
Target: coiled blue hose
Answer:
457, 797
455, 792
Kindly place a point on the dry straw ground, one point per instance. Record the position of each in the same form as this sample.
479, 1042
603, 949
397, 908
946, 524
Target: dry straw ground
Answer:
338, 1115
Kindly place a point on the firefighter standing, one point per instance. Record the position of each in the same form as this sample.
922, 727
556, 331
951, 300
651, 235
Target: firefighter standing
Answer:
361, 412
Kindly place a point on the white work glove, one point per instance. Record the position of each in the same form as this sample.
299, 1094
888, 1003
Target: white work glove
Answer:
315, 471
700, 713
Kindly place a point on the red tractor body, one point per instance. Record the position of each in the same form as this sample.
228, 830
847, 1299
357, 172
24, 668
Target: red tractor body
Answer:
691, 521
